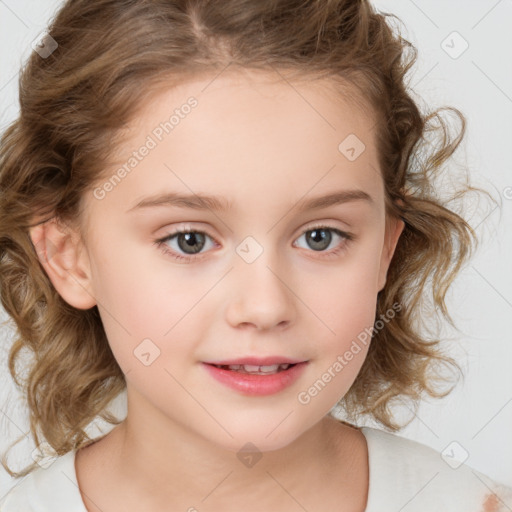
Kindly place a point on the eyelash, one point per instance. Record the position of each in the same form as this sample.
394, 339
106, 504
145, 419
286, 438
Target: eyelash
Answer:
160, 242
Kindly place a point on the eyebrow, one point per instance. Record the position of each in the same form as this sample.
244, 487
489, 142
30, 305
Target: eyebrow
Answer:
217, 203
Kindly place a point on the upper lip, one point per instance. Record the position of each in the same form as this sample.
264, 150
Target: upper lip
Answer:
257, 361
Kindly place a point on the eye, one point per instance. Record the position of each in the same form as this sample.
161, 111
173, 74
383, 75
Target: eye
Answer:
319, 238
189, 241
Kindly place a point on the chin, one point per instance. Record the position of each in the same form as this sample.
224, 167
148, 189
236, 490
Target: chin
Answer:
255, 442
265, 433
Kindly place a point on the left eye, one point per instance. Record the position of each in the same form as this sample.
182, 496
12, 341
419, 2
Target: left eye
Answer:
320, 237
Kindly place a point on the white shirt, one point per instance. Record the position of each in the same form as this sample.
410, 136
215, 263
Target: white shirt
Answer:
404, 475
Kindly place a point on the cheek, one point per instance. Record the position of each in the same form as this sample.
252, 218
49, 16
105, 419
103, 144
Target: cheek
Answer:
139, 288
341, 340
346, 295
144, 309
344, 302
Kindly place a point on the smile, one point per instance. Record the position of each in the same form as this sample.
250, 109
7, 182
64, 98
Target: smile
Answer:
255, 370
256, 380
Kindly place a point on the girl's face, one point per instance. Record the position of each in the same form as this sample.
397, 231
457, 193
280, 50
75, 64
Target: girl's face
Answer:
272, 271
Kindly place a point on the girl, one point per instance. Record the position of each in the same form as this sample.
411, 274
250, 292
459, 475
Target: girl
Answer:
279, 137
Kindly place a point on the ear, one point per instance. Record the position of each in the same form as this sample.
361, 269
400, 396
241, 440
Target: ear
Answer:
60, 251
394, 228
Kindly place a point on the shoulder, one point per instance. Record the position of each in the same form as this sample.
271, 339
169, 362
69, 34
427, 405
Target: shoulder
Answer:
51, 487
413, 476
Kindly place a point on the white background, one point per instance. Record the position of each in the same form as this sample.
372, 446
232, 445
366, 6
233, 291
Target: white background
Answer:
478, 413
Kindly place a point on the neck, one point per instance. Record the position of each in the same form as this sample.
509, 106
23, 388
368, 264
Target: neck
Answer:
187, 470
167, 463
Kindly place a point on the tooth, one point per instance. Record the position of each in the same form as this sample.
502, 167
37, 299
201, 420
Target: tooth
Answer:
251, 368
269, 369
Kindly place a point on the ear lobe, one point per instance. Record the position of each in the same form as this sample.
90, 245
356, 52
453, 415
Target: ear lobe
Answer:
59, 250
394, 228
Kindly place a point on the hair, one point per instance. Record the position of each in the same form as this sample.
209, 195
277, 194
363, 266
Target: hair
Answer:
74, 103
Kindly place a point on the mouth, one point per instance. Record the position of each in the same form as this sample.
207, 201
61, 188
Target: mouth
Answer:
256, 369
256, 379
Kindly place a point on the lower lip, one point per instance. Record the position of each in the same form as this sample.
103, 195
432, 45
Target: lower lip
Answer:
257, 385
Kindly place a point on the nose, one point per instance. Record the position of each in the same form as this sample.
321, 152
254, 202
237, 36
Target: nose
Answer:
261, 296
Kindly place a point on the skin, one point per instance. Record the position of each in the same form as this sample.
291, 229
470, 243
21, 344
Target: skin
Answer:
256, 141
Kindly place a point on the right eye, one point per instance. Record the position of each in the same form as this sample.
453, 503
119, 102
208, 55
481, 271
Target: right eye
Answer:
184, 240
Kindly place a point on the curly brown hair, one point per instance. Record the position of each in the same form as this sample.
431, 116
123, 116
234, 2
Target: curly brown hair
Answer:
74, 101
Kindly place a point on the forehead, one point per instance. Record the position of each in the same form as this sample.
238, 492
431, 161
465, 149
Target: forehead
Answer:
278, 137
248, 101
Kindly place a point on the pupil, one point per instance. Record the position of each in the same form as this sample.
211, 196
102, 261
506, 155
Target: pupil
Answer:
190, 239
319, 241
